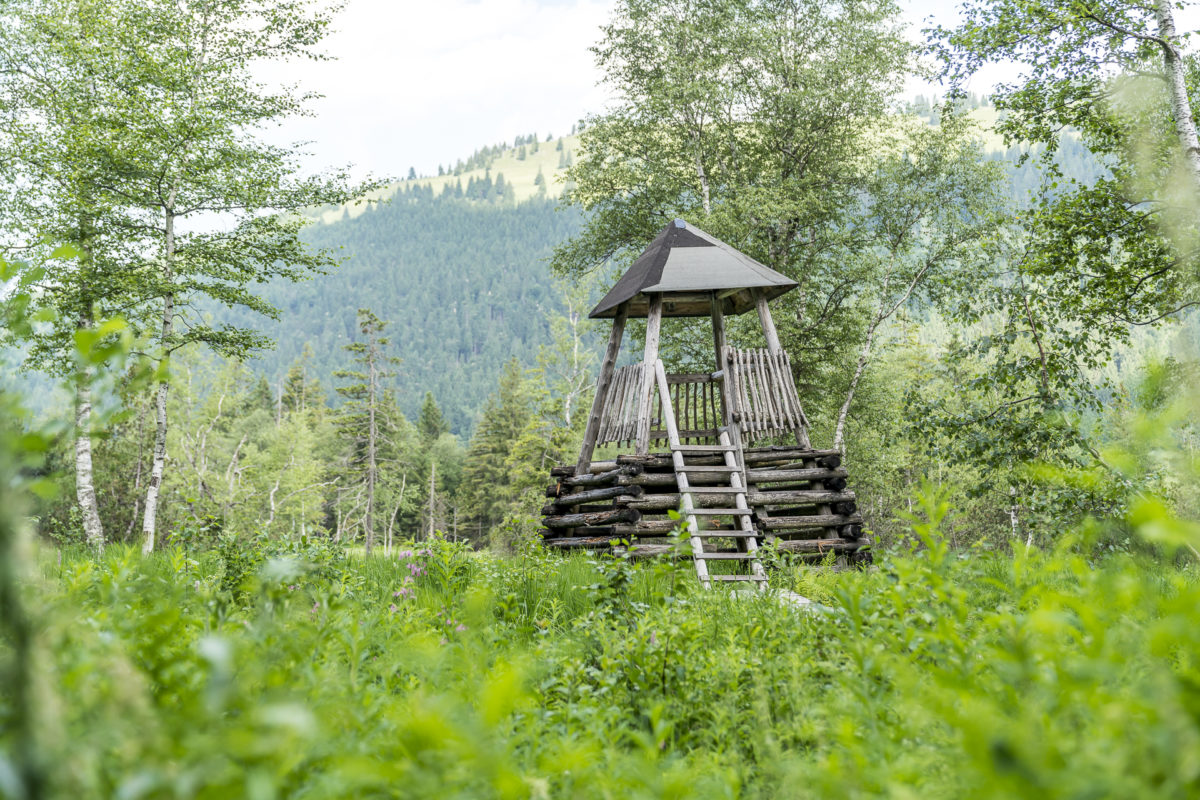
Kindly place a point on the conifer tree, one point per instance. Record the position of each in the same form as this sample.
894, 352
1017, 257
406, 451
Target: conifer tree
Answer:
431, 424
363, 417
488, 491
301, 388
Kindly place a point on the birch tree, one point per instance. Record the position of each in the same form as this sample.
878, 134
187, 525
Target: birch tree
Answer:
783, 101
1086, 264
195, 113
930, 206
1071, 53
59, 142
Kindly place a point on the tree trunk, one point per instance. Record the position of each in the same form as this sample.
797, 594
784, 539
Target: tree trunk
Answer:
1181, 106
150, 517
369, 533
864, 356
387, 544
432, 497
85, 490
703, 178
137, 470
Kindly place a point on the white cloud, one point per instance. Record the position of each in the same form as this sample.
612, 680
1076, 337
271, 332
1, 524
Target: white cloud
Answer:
423, 83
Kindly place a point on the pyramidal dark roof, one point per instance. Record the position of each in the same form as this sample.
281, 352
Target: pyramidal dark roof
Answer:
686, 265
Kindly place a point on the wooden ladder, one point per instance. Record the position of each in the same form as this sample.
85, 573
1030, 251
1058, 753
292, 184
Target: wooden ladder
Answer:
735, 488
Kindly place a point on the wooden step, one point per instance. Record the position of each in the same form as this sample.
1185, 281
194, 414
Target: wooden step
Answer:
729, 534
713, 490
720, 512
703, 448
690, 468
737, 577
726, 556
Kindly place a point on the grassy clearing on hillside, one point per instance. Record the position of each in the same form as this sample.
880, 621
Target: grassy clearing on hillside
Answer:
244, 673
519, 173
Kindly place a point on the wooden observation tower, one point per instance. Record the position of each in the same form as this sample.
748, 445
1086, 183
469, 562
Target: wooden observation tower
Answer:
733, 494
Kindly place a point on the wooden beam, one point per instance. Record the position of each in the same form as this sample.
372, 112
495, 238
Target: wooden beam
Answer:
653, 332
560, 504
774, 347
630, 515
718, 332
602, 385
768, 323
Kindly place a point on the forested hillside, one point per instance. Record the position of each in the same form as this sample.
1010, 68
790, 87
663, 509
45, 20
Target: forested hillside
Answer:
464, 284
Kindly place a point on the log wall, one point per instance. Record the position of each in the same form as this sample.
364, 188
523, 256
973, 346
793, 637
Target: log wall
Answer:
790, 488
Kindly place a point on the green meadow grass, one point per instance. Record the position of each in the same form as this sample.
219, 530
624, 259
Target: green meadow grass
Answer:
255, 672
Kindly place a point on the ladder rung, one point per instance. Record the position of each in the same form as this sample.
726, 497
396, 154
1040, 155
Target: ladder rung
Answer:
690, 468
720, 512
713, 490
730, 534
726, 556
737, 577
703, 448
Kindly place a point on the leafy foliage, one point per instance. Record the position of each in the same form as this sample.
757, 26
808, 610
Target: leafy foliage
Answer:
945, 673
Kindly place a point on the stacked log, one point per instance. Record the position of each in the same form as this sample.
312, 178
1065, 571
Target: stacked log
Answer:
799, 497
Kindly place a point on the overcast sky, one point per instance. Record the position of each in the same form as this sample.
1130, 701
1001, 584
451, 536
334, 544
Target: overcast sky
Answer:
424, 82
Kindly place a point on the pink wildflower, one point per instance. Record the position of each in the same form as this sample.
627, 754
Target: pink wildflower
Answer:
392, 608
461, 628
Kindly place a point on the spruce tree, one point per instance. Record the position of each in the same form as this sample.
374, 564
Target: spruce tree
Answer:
362, 418
431, 424
301, 388
487, 490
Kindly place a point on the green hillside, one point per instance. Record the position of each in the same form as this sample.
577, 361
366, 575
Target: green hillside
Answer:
520, 164
464, 284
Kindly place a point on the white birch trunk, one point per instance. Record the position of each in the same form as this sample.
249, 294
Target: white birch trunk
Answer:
864, 356
150, 517
85, 490
369, 533
432, 498
1181, 106
702, 176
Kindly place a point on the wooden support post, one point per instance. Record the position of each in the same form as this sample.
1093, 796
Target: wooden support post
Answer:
653, 332
775, 348
767, 322
718, 331
602, 385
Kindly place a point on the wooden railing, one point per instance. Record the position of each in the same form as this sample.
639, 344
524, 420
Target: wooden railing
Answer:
763, 392
763, 397
696, 399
